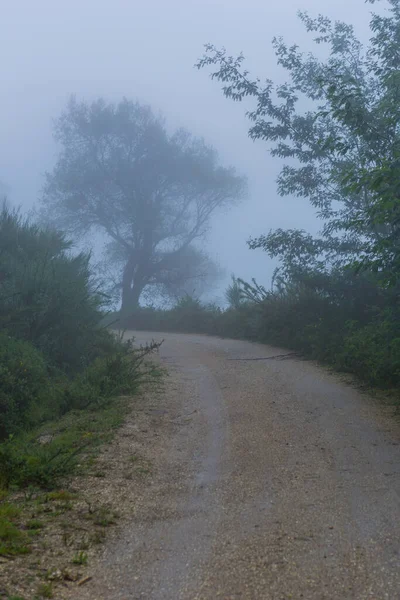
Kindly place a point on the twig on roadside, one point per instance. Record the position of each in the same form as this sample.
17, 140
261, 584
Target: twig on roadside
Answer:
276, 357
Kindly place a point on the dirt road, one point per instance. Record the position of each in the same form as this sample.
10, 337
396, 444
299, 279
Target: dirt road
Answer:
274, 481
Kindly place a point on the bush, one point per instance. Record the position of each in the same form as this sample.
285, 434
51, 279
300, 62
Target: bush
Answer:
238, 323
188, 315
121, 372
31, 392
373, 352
54, 351
26, 460
47, 296
43, 456
342, 319
26, 395
56, 357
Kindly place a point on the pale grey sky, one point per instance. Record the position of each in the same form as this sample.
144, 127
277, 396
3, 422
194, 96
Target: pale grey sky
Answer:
146, 50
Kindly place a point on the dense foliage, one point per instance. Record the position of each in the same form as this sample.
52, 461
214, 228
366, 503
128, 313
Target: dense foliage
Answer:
330, 321
335, 126
47, 295
55, 354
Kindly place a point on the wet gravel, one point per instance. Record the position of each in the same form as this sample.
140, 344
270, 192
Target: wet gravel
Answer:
273, 479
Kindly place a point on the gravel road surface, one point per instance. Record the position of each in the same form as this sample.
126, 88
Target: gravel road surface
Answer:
275, 480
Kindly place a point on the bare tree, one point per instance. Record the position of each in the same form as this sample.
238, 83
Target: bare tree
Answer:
152, 193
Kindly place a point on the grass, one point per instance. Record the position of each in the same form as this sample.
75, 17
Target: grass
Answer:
3, 494
84, 544
102, 516
13, 541
76, 438
43, 456
143, 470
81, 558
9, 511
99, 474
34, 524
39, 514
45, 590
75, 445
98, 536
61, 495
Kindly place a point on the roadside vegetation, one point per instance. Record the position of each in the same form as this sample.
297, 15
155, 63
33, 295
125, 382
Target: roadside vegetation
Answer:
67, 379
335, 127
56, 357
350, 336
66, 385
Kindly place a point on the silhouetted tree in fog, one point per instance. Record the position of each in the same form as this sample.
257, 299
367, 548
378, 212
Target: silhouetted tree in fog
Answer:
153, 193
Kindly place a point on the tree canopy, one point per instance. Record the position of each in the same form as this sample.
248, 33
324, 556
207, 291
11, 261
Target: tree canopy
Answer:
335, 124
152, 193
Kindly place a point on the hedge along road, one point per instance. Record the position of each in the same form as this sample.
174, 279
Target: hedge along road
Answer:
278, 481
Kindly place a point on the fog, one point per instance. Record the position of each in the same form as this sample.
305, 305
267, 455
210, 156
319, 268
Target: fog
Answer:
146, 51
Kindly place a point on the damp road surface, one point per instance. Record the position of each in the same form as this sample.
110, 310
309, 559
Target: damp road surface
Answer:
276, 480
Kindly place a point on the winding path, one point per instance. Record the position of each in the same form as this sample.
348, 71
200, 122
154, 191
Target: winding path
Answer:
279, 482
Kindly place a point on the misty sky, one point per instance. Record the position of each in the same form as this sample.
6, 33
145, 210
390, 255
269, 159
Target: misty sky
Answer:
146, 50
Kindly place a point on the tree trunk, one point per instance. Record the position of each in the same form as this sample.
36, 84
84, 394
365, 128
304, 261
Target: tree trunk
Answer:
132, 287
130, 299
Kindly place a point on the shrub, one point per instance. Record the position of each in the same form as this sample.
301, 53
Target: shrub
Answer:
43, 456
13, 541
188, 315
26, 395
55, 356
25, 460
47, 296
372, 352
342, 319
118, 373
